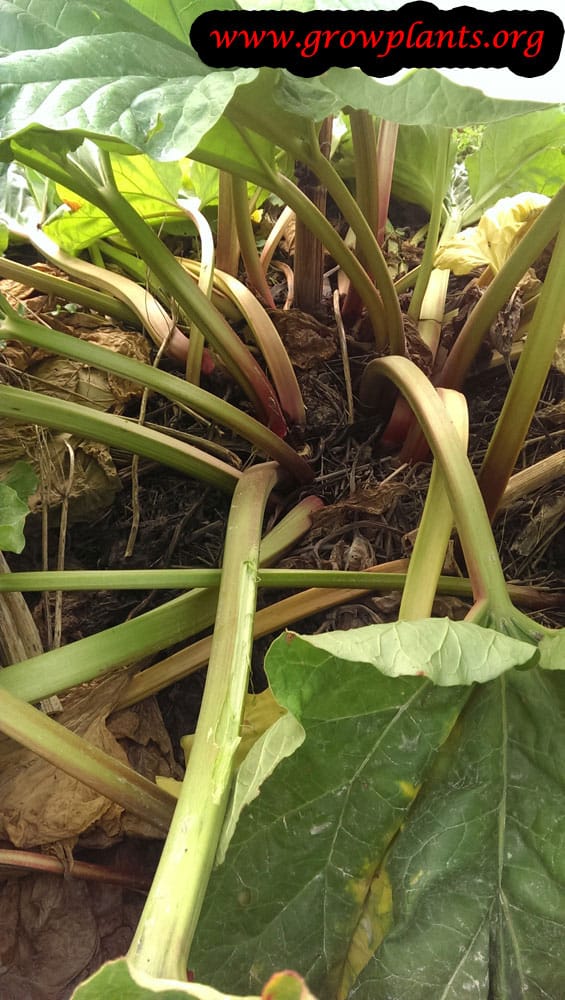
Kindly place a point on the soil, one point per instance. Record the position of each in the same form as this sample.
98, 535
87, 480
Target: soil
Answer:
373, 503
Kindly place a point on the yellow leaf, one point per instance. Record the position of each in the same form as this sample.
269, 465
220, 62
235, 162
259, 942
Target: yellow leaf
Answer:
494, 238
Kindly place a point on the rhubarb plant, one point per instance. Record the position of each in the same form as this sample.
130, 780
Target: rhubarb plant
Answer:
397, 832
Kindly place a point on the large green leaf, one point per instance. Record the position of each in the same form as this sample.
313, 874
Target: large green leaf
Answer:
177, 18
522, 154
415, 164
446, 652
478, 874
422, 97
224, 147
42, 24
100, 68
306, 852
105, 69
152, 188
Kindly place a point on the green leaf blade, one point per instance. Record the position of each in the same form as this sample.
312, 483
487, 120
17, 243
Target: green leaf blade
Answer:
478, 874
521, 154
177, 16
304, 853
124, 86
447, 652
150, 187
423, 795
15, 489
421, 97
552, 651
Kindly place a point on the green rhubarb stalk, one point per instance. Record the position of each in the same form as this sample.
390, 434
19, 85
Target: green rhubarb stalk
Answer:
296, 608
92, 162
148, 311
268, 579
246, 236
499, 291
70, 291
407, 281
387, 321
432, 308
434, 530
91, 765
492, 604
523, 396
88, 171
24, 406
13, 326
367, 244
236, 301
364, 139
430, 324
177, 620
162, 941
386, 152
441, 178
138, 269
367, 189
264, 176
268, 340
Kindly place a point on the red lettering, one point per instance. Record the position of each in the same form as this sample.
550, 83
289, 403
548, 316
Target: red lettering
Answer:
395, 38
534, 44
281, 38
425, 40
442, 36
346, 44
225, 39
330, 35
370, 40
411, 31
516, 36
500, 39
462, 32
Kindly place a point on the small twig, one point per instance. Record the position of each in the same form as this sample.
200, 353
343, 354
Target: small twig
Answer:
285, 220
289, 275
135, 880
344, 357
